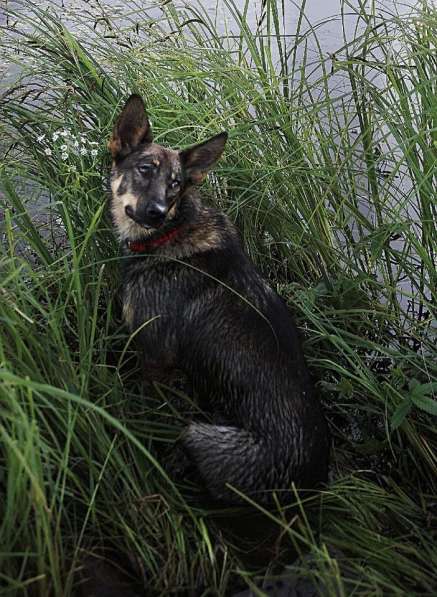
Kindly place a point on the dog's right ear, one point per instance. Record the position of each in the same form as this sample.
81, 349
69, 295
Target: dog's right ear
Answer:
131, 129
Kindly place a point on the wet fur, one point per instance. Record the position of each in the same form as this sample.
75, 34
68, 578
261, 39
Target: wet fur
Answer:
214, 317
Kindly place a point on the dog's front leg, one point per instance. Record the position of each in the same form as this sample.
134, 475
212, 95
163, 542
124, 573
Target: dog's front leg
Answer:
158, 372
160, 354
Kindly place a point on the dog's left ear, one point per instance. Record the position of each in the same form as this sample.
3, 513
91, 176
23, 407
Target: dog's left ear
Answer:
197, 160
131, 129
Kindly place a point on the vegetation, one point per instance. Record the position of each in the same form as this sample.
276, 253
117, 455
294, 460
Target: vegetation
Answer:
333, 188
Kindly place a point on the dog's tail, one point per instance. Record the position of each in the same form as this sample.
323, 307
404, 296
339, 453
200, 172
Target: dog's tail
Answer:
226, 455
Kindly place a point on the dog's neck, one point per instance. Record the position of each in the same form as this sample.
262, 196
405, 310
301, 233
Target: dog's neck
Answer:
144, 246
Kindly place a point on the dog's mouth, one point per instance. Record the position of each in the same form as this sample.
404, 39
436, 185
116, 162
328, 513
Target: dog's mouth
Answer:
149, 226
143, 223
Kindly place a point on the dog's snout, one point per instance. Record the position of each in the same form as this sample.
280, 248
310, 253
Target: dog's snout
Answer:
149, 215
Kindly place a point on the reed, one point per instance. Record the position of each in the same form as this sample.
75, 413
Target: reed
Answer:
334, 195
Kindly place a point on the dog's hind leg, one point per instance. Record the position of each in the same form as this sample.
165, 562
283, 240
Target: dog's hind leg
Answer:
229, 455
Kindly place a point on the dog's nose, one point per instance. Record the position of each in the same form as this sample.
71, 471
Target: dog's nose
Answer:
156, 211
150, 215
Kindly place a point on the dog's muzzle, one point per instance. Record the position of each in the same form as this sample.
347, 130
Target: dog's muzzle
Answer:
151, 215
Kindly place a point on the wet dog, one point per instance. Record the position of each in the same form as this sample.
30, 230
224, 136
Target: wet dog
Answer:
212, 315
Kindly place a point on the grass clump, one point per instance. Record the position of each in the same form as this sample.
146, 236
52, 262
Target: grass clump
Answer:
334, 194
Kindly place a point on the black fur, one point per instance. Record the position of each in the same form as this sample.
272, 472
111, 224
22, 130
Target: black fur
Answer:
214, 317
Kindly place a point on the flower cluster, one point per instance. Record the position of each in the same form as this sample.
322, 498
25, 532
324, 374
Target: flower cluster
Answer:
66, 144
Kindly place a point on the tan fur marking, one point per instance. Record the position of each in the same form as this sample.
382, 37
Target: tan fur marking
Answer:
171, 212
204, 240
114, 146
128, 312
115, 184
127, 229
197, 176
125, 199
128, 198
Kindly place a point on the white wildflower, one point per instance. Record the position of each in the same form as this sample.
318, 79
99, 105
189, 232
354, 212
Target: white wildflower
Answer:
93, 142
48, 151
55, 136
76, 143
64, 133
64, 148
64, 156
83, 140
73, 168
94, 152
83, 151
40, 138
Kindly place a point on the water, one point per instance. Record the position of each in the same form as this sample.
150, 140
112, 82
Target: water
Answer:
332, 30
321, 15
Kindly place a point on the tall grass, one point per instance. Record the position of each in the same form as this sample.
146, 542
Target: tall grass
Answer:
334, 194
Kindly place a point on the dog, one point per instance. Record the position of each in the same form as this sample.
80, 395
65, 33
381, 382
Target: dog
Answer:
211, 314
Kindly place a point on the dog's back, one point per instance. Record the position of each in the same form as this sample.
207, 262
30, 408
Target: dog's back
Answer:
212, 315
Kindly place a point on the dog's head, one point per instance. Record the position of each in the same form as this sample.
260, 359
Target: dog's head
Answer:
149, 181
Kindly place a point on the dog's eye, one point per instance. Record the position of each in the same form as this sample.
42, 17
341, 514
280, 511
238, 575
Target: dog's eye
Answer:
145, 169
174, 184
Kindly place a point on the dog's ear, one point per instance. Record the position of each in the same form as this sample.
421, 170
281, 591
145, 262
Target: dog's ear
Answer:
197, 160
131, 129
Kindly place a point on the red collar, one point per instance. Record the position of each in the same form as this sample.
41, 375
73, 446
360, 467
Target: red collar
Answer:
141, 246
